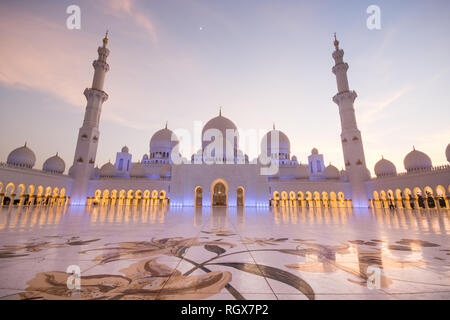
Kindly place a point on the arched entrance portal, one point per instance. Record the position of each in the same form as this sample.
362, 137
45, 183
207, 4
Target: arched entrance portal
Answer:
240, 197
198, 196
219, 194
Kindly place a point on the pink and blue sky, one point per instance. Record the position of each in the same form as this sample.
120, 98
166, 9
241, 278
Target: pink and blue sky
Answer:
263, 61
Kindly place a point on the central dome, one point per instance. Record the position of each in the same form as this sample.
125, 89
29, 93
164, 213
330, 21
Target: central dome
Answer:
224, 126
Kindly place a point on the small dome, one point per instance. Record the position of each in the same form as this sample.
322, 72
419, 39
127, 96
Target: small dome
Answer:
302, 172
54, 164
417, 160
108, 170
385, 168
294, 158
96, 172
138, 171
22, 157
447, 152
125, 149
314, 151
284, 143
331, 172
165, 171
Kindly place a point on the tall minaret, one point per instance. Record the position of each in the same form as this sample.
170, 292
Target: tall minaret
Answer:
355, 162
89, 133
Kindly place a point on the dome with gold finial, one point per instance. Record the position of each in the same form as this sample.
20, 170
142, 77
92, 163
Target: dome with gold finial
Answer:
385, 168
54, 164
22, 157
417, 160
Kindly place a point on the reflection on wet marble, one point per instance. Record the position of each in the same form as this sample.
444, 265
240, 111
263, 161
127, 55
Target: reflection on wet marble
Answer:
224, 253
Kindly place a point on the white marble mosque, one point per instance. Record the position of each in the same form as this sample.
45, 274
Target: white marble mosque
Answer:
210, 179
222, 227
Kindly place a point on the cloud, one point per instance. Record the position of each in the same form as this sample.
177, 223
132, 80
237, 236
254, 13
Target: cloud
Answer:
126, 9
36, 56
376, 109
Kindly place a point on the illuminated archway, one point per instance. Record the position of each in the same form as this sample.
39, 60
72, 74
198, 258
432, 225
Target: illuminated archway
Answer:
300, 199
240, 197
198, 196
317, 203
325, 199
341, 197
276, 198
429, 194
376, 200
284, 198
420, 200
219, 193
441, 197
309, 201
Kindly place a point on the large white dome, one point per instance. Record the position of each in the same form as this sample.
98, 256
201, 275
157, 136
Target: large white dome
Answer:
108, 170
331, 172
162, 141
54, 164
22, 157
220, 123
224, 126
417, 160
447, 152
385, 168
284, 143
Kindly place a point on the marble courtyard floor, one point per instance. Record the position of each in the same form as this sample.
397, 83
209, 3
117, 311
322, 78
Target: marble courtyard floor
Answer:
220, 253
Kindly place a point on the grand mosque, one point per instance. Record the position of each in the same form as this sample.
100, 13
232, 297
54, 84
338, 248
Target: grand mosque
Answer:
220, 174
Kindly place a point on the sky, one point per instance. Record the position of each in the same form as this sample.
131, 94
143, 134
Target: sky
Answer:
263, 61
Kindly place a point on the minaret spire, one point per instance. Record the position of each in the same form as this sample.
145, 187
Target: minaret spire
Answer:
352, 146
105, 39
220, 111
89, 133
336, 42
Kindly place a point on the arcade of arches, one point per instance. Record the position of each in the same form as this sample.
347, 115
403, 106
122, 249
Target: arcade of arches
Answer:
22, 195
129, 198
408, 198
309, 199
412, 198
